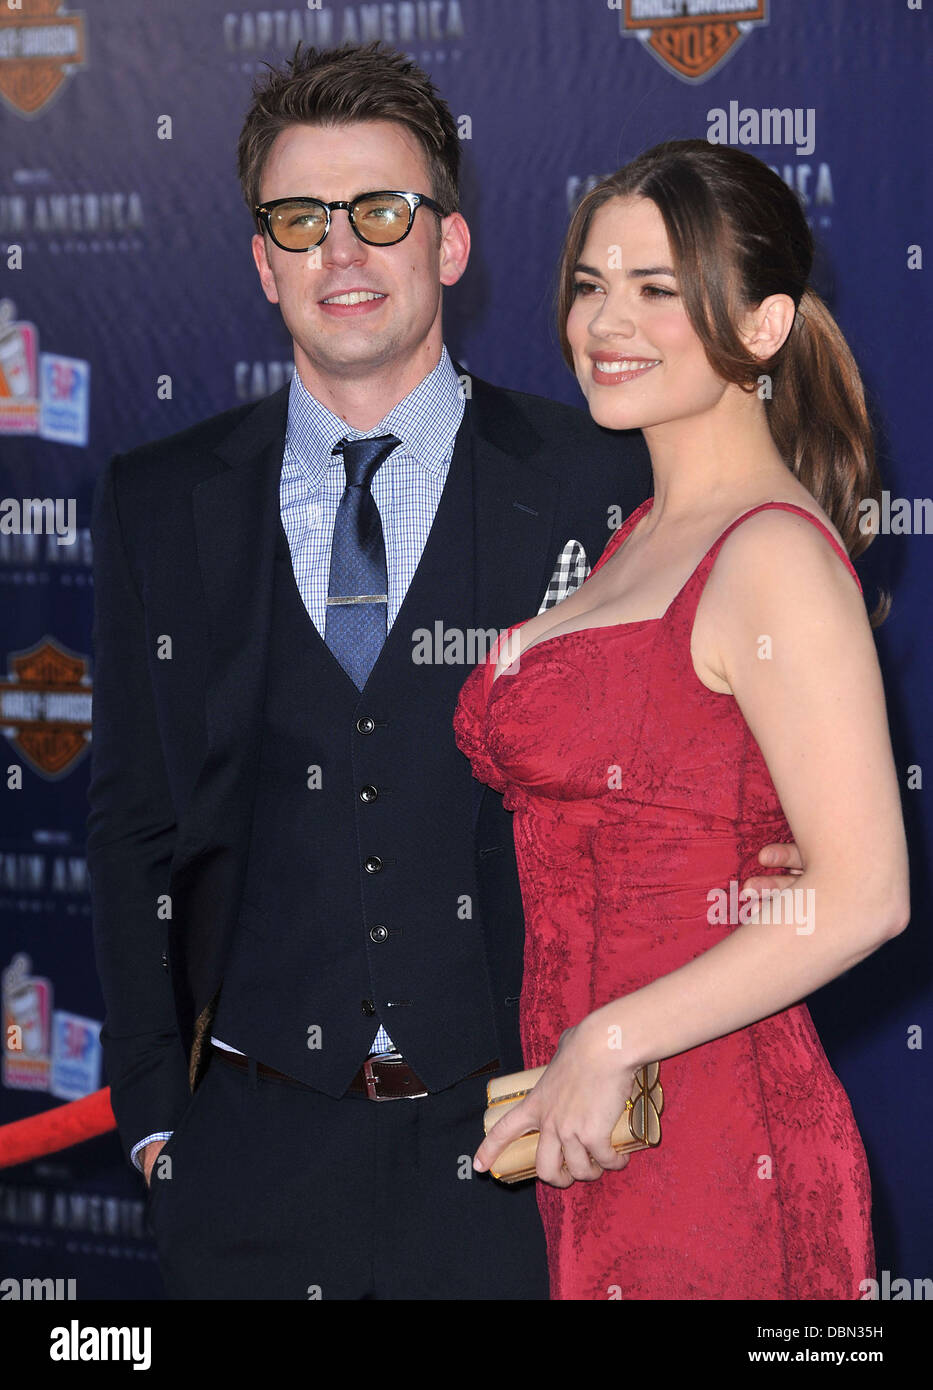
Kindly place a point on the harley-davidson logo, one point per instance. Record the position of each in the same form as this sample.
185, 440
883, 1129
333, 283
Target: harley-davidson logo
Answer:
39, 46
45, 707
691, 37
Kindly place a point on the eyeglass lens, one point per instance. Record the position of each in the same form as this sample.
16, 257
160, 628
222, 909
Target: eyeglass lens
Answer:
379, 218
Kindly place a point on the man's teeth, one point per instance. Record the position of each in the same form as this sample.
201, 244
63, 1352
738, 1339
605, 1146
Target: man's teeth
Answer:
355, 297
626, 365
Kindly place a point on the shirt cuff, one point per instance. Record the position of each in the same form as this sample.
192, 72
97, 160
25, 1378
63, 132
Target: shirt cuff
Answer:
149, 1139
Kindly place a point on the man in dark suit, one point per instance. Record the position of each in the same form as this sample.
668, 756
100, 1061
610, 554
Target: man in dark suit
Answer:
307, 916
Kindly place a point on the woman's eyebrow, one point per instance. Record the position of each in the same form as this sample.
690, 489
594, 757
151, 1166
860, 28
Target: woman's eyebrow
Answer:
582, 269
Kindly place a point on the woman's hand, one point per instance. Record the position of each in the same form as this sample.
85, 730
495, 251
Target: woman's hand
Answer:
575, 1106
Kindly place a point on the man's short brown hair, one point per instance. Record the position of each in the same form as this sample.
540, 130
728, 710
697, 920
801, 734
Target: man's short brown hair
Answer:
338, 86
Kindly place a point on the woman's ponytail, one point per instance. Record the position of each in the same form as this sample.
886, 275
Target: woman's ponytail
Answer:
820, 424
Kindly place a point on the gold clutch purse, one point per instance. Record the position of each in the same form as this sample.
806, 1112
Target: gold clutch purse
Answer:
638, 1127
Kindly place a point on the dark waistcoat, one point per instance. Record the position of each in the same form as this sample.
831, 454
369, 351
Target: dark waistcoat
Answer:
360, 902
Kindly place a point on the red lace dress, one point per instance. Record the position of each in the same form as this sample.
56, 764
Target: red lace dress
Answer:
636, 790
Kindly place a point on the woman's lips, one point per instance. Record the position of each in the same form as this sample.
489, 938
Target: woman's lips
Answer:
613, 371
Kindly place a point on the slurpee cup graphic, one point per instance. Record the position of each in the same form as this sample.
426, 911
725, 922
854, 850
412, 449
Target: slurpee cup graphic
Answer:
14, 357
19, 373
27, 1027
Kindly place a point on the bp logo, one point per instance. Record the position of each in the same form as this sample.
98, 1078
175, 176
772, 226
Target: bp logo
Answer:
692, 38
39, 45
45, 707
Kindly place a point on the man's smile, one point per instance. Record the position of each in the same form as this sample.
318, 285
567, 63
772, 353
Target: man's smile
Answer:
352, 302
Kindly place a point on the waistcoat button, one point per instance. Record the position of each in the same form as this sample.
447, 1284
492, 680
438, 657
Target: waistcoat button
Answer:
368, 793
365, 725
378, 934
373, 864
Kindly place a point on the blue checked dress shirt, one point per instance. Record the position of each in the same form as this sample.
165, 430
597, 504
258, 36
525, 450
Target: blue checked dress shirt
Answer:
406, 488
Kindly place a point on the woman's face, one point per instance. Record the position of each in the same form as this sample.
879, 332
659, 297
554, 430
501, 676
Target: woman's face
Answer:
635, 353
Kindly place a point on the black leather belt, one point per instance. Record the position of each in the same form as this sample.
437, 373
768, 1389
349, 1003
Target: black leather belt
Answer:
388, 1077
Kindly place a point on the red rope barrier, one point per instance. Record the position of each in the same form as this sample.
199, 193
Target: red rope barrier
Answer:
56, 1129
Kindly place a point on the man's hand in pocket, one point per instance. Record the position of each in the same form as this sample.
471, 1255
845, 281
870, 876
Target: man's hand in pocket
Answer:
149, 1155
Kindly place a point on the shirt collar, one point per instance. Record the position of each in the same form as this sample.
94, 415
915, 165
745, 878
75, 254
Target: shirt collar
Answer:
426, 422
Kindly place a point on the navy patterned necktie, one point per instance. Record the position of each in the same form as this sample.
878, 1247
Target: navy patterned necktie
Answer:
357, 591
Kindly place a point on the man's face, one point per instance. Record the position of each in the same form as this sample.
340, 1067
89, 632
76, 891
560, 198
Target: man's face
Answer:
402, 328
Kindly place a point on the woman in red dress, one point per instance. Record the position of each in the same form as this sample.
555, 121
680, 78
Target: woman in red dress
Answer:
711, 687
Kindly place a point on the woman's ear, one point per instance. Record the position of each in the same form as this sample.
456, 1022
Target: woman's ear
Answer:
766, 327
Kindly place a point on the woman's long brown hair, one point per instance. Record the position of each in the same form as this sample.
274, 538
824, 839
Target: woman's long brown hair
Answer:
738, 234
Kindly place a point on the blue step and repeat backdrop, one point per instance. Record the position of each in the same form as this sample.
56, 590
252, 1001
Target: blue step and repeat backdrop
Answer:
130, 308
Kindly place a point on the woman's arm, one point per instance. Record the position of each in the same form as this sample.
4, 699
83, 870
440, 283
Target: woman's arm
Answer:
815, 704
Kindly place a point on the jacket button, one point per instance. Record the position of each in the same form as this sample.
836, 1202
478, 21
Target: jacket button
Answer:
373, 864
368, 1007
368, 793
378, 934
365, 725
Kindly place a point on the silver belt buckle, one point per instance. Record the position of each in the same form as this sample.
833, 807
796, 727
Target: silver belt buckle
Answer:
373, 1081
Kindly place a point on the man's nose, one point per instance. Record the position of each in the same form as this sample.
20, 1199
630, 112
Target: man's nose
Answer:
342, 246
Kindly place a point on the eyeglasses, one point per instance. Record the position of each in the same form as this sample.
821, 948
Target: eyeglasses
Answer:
378, 219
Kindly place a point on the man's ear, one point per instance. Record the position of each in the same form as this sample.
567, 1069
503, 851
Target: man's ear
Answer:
266, 277
454, 250
765, 328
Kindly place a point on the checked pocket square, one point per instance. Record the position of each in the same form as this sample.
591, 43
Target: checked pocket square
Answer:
569, 574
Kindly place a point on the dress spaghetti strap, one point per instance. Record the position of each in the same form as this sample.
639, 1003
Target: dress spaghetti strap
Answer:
622, 533
800, 511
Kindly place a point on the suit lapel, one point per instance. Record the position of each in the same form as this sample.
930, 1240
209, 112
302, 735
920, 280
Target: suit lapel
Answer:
236, 513
513, 521
514, 508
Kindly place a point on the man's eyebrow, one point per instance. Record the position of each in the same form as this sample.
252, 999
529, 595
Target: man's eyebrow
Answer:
633, 274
